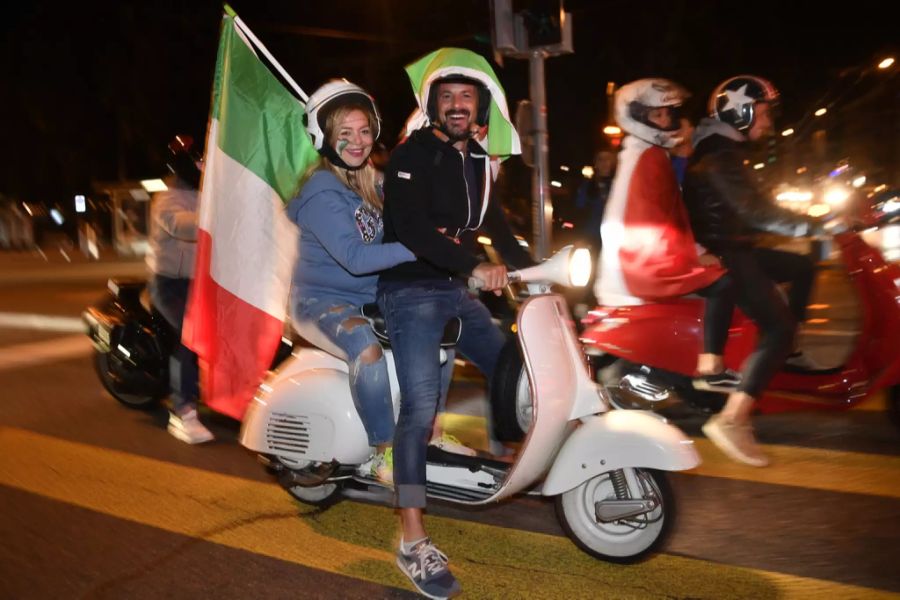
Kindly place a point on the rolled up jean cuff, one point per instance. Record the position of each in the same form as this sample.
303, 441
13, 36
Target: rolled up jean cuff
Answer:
410, 496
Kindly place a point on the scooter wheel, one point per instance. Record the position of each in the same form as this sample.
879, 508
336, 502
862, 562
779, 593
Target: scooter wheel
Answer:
108, 379
322, 495
511, 406
622, 541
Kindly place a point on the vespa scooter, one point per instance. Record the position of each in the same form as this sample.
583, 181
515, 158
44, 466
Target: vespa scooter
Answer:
649, 350
604, 468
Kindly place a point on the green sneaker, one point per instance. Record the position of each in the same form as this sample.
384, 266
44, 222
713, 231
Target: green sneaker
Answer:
382, 467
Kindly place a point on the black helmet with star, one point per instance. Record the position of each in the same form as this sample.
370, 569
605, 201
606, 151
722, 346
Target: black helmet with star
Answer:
734, 100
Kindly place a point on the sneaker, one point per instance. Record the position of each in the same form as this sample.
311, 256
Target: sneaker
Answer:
426, 567
188, 428
799, 360
726, 382
736, 441
450, 443
380, 467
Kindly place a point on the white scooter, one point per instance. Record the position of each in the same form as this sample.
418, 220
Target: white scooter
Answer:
603, 467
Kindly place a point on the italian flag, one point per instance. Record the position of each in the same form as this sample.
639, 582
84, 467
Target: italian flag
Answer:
256, 151
501, 140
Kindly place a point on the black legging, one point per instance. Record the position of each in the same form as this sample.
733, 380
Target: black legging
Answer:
789, 267
752, 272
720, 301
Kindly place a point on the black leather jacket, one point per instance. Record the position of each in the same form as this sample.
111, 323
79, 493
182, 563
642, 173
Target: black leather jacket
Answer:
726, 207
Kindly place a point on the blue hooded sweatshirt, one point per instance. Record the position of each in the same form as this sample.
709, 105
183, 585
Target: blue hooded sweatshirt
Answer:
340, 249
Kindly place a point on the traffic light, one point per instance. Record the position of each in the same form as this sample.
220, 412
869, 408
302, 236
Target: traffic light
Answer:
520, 27
543, 20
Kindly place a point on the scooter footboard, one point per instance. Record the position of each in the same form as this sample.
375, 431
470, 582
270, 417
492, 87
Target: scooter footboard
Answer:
615, 440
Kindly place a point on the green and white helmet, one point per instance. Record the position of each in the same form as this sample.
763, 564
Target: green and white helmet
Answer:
458, 64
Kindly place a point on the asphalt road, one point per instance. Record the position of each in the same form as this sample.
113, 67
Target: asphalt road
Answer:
98, 501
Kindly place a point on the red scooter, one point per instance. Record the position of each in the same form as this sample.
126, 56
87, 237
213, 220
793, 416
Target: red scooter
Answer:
649, 351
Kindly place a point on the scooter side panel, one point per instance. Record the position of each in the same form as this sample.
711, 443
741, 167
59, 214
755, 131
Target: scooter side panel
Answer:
616, 440
306, 412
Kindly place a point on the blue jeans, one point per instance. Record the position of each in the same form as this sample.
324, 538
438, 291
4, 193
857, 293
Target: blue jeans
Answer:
416, 314
369, 384
169, 296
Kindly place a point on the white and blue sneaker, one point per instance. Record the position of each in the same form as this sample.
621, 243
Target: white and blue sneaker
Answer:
427, 568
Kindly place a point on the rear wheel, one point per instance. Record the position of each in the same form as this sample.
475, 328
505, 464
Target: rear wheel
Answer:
624, 540
322, 495
110, 381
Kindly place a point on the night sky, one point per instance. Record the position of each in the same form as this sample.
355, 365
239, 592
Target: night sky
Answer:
93, 90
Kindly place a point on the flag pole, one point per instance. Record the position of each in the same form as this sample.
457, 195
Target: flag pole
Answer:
259, 45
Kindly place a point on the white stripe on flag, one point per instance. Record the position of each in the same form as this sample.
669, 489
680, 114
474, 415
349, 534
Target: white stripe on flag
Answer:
253, 241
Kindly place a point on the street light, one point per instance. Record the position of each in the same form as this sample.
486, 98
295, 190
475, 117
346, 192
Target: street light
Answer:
886, 63
787, 132
821, 112
612, 130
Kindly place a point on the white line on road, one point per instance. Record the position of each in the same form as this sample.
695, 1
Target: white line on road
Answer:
24, 355
42, 322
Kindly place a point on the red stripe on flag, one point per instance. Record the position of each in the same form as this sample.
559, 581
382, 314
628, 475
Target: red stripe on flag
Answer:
234, 341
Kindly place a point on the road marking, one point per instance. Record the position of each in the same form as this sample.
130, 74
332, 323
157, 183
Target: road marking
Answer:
810, 468
847, 472
42, 322
357, 539
32, 353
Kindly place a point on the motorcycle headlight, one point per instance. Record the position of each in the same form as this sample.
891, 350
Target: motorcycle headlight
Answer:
580, 266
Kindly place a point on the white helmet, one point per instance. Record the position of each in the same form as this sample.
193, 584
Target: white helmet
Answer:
333, 94
634, 100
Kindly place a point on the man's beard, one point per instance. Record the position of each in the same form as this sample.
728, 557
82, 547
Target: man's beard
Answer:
456, 134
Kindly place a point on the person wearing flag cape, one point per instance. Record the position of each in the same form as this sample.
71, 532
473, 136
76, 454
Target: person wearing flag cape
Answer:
438, 186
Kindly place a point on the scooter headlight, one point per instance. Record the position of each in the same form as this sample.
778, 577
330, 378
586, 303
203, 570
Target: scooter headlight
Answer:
580, 267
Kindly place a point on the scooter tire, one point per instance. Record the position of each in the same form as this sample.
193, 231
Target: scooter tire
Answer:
133, 401
510, 395
614, 542
321, 496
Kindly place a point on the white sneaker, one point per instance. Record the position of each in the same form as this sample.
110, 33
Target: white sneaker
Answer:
736, 441
188, 428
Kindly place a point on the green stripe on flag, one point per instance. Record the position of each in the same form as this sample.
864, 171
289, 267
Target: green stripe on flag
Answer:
260, 122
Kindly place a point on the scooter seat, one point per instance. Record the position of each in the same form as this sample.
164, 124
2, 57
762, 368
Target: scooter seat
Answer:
372, 312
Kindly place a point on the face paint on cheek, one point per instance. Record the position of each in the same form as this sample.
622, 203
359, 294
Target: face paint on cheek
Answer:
341, 145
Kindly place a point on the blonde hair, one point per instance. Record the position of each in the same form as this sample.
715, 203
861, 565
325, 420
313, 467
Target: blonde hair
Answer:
362, 180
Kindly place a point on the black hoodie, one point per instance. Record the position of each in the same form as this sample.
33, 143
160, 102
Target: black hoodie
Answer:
428, 208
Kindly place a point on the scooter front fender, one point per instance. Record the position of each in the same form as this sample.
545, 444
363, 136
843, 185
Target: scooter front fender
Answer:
615, 440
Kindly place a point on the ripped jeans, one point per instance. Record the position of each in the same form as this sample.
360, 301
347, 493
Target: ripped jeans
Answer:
346, 328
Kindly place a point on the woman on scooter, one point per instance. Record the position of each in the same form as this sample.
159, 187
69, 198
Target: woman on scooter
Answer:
649, 252
338, 212
727, 211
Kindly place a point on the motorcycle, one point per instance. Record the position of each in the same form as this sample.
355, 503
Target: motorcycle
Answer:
133, 342
604, 468
648, 351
